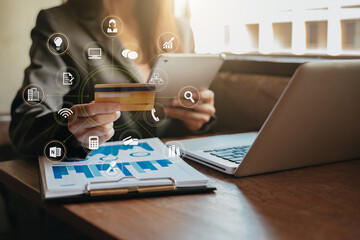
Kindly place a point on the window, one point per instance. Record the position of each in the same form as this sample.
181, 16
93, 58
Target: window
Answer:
316, 35
329, 27
253, 33
282, 36
350, 34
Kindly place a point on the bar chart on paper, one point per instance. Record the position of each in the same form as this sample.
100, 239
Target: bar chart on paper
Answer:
110, 159
95, 170
114, 161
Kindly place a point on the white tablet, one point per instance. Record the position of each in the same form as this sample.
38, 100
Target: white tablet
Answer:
174, 72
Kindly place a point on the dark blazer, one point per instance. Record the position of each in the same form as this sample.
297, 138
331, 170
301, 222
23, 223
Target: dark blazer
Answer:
33, 126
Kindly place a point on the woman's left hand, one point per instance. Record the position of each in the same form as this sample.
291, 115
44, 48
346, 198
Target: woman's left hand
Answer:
196, 117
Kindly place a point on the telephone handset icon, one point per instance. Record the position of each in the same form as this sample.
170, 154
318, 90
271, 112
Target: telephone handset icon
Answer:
153, 115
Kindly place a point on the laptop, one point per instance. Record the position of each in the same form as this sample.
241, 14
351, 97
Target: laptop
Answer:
315, 121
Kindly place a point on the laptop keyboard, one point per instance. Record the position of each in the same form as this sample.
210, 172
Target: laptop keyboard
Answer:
233, 154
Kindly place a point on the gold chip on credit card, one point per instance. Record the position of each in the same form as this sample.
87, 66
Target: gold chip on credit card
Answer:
130, 96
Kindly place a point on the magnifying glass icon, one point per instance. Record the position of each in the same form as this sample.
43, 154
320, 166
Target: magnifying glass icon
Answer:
189, 96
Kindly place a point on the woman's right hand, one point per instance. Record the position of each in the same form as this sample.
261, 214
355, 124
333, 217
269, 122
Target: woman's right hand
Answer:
94, 118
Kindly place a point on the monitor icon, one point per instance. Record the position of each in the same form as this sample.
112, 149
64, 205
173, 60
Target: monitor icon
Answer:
94, 53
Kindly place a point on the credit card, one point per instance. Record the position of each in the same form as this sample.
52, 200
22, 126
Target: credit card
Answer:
130, 96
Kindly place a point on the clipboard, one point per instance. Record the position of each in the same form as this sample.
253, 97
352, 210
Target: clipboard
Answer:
136, 177
124, 193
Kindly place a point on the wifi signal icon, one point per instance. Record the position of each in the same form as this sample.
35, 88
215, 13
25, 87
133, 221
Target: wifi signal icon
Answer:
65, 112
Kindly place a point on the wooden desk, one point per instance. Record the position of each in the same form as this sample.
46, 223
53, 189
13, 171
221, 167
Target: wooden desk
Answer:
320, 202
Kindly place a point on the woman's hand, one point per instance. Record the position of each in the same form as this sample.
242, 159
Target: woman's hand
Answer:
202, 113
94, 118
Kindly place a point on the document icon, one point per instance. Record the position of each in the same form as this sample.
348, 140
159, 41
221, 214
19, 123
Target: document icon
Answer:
67, 79
54, 152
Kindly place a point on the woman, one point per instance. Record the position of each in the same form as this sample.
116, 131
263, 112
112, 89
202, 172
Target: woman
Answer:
143, 21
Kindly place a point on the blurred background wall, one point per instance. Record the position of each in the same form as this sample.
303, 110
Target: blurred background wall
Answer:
17, 18
277, 27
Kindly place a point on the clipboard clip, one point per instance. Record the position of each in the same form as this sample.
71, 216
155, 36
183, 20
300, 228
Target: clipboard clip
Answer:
127, 190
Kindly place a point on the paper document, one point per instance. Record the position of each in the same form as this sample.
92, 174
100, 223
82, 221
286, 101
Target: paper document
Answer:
113, 161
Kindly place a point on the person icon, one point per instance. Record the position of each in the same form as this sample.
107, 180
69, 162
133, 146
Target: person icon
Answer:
112, 27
